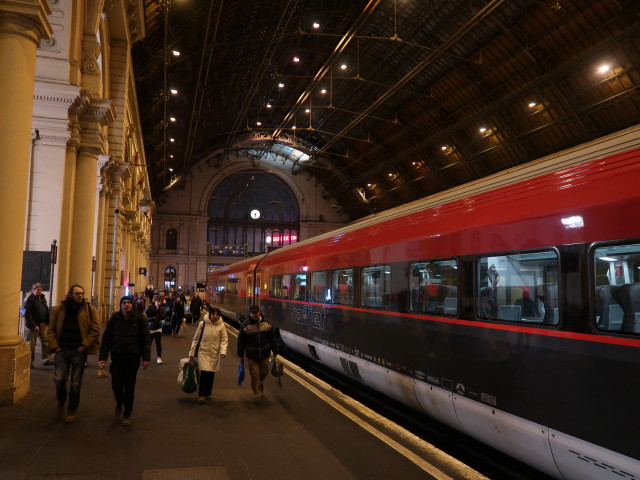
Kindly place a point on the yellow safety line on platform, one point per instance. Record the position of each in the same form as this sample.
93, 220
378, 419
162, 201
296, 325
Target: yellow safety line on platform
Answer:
426, 448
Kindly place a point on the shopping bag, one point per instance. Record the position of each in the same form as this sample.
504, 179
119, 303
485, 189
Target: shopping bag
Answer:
277, 369
190, 377
102, 372
184, 325
183, 362
240, 374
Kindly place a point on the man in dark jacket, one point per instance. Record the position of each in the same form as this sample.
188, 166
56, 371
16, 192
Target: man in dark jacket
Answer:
194, 308
256, 340
36, 320
126, 337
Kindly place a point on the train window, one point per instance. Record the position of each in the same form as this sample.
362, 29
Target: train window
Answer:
376, 286
434, 287
319, 291
275, 290
519, 287
342, 286
232, 285
280, 286
300, 286
617, 291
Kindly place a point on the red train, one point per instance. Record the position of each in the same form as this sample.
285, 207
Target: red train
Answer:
508, 308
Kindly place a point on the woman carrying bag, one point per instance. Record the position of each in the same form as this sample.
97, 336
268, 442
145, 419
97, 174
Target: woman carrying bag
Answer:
209, 346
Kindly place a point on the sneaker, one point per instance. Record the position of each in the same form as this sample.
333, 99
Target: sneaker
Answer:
118, 410
201, 400
159, 361
70, 418
126, 421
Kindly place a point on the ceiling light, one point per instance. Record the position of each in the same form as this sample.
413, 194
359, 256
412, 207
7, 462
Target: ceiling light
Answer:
316, 25
482, 130
444, 147
174, 91
294, 127
172, 139
171, 169
532, 104
268, 105
258, 123
173, 119
368, 184
296, 59
281, 85
171, 156
604, 69
343, 66
307, 111
324, 90
176, 53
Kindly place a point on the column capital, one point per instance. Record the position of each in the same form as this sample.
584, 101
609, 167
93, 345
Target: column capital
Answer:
27, 18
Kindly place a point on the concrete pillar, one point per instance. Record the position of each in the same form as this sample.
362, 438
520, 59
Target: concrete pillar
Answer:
20, 33
84, 208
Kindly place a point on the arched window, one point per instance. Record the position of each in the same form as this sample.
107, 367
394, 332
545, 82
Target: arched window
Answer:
172, 239
169, 278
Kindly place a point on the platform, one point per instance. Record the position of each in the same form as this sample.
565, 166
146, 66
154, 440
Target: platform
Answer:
302, 430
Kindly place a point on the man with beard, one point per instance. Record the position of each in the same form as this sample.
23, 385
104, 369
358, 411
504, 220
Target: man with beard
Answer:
73, 333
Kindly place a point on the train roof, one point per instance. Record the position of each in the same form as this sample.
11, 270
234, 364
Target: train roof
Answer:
553, 173
623, 141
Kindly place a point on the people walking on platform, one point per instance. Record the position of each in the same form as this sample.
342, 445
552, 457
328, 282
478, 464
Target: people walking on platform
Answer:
36, 321
73, 334
256, 340
126, 338
209, 346
148, 293
177, 314
139, 304
194, 308
155, 315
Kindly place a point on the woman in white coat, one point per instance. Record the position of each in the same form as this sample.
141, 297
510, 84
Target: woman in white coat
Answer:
213, 347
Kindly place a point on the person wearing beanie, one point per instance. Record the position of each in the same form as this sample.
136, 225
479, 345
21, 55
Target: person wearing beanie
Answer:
126, 338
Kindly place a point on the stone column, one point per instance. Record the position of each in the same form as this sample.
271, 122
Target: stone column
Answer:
84, 208
98, 278
21, 28
93, 118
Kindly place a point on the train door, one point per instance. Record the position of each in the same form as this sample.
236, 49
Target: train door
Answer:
249, 298
257, 289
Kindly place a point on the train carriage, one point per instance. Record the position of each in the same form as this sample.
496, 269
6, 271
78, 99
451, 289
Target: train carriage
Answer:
508, 308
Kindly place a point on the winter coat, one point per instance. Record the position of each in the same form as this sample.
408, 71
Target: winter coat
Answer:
155, 316
257, 340
87, 321
213, 344
35, 311
126, 337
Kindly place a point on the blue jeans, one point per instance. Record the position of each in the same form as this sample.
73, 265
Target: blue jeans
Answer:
69, 360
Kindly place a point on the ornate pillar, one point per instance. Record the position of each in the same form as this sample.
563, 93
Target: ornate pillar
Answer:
97, 115
22, 26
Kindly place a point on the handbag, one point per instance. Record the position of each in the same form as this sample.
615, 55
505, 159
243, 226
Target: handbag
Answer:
277, 370
190, 372
190, 375
240, 374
